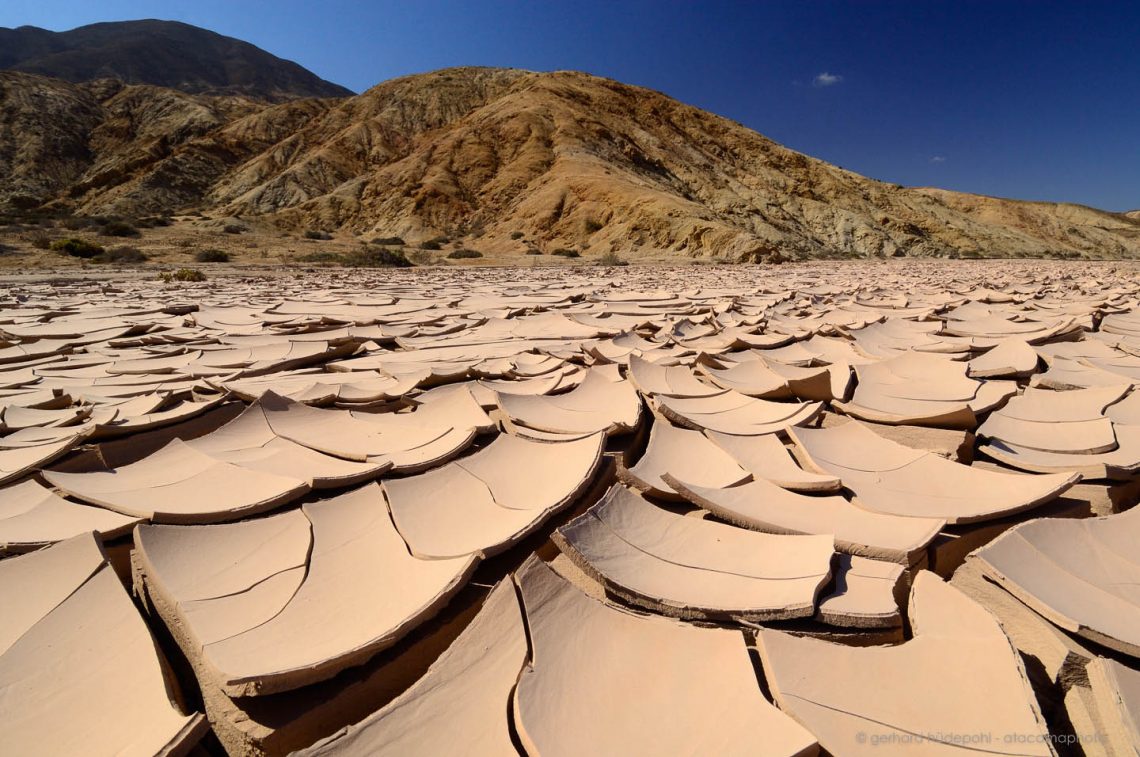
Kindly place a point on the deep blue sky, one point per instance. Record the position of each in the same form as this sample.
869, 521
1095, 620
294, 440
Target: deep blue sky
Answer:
1034, 100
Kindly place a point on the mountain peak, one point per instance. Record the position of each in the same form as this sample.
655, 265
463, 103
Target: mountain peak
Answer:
163, 53
507, 161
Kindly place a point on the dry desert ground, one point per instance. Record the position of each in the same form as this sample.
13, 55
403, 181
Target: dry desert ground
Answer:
819, 508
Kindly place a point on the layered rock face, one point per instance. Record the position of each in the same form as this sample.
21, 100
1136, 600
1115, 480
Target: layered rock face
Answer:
512, 159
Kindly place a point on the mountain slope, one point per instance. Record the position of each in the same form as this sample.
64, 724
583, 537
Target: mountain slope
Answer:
505, 160
162, 53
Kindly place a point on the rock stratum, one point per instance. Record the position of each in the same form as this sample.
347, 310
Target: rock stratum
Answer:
507, 160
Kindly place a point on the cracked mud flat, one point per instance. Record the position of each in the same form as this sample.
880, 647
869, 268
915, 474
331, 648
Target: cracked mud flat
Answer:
745, 510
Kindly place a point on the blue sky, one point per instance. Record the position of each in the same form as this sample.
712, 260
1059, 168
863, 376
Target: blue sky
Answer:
1033, 100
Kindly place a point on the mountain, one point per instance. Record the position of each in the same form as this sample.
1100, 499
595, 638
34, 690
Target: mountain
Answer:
163, 53
502, 160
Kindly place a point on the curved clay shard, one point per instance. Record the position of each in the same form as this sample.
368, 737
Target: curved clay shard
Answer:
673, 380
1065, 374
889, 478
766, 457
179, 484
18, 458
1089, 437
1070, 422
79, 670
408, 444
1118, 464
864, 594
915, 388
1083, 575
823, 383
685, 454
484, 503
248, 441
32, 516
268, 608
734, 413
752, 378
1114, 691
934, 698
687, 567
16, 417
597, 404
993, 329
643, 684
1126, 411
1011, 358
460, 700
763, 506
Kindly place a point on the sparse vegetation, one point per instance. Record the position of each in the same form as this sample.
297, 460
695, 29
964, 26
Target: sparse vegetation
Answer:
24, 202
564, 252
363, 258
212, 256
319, 236
233, 228
115, 228
611, 258
40, 240
77, 248
182, 274
464, 254
122, 255
534, 251
433, 244
379, 258
332, 258
592, 226
389, 242
517, 235
75, 223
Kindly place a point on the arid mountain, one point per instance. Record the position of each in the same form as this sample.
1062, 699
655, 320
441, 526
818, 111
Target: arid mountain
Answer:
162, 53
504, 160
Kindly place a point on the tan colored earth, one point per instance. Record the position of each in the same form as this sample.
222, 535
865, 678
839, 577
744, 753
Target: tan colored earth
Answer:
498, 161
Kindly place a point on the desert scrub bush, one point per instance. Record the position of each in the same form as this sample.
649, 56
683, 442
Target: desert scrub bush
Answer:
75, 223
233, 228
431, 244
122, 254
611, 258
319, 236
40, 240
592, 226
533, 251
322, 257
212, 256
118, 229
388, 241
517, 235
382, 258
182, 274
77, 248
464, 254
364, 258
563, 252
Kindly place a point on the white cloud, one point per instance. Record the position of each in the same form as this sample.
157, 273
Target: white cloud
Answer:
826, 79
938, 159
